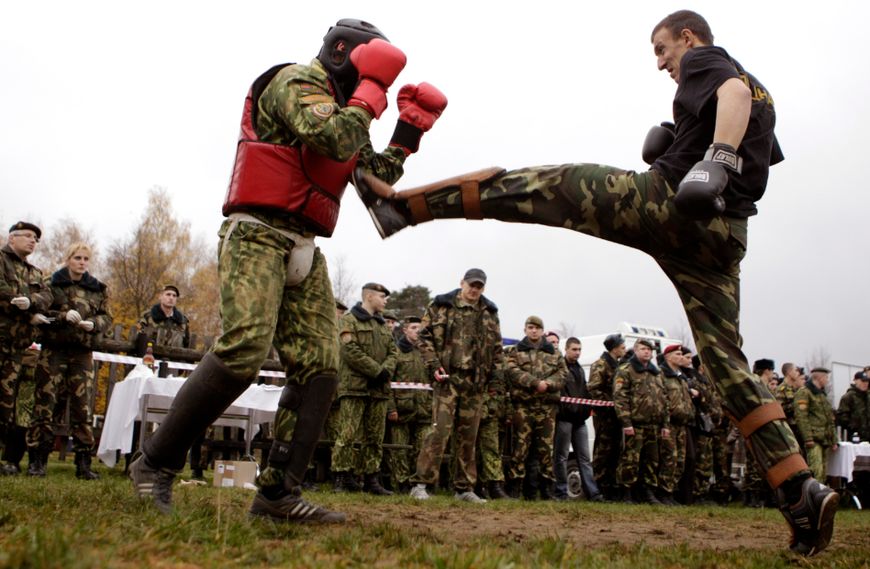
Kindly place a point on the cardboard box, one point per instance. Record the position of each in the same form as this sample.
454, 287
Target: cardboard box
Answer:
235, 473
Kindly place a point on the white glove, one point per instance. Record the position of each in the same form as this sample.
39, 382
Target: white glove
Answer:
21, 302
86, 325
73, 316
38, 319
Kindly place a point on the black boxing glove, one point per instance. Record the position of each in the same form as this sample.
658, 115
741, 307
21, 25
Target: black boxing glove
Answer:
657, 141
699, 195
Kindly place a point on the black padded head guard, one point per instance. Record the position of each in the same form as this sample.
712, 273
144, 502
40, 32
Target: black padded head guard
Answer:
338, 42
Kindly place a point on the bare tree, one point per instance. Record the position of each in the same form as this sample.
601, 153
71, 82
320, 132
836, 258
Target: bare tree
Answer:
50, 253
819, 357
566, 329
344, 284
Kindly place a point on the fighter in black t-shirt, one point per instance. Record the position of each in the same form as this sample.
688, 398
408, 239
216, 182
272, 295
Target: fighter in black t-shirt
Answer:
689, 212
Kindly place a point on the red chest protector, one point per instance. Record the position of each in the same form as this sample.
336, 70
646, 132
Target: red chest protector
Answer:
284, 178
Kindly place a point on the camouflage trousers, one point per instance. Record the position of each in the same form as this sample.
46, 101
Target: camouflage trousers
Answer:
701, 259
607, 448
61, 376
10, 371
817, 459
401, 461
641, 453
672, 457
259, 311
490, 467
703, 465
454, 413
361, 422
534, 432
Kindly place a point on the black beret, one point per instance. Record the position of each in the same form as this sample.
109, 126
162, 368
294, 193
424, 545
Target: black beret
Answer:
613, 341
340, 305
171, 287
413, 320
644, 342
763, 364
24, 225
376, 287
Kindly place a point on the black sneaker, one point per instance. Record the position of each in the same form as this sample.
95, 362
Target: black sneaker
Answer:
811, 518
293, 508
154, 483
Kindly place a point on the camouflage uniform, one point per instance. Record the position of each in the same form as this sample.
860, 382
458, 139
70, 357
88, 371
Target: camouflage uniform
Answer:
367, 350
853, 413
608, 430
66, 369
815, 422
162, 330
672, 449
785, 395
496, 407
636, 209
17, 278
640, 401
535, 412
407, 403
708, 414
464, 339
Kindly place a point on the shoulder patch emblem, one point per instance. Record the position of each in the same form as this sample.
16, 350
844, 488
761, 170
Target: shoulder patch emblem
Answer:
322, 110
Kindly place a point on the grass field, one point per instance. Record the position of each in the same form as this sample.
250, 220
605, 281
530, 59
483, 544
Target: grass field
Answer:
63, 522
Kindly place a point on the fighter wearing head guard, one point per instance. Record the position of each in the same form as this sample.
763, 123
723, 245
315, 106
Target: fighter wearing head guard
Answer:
304, 128
689, 212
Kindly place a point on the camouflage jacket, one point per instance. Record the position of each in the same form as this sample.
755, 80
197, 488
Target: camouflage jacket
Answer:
529, 365
707, 404
162, 330
639, 396
679, 398
20, 278
89, 298
409, 403
814, 415
853, 414
298, 106
601, 374
465, 340
785, 395
367, 349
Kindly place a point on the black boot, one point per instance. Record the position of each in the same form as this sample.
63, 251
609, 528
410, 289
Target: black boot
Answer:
546, 490
496, 490
345, 482
649, 496
515, 488
372, 485
83, 466
36, 460
667, 498
624, 495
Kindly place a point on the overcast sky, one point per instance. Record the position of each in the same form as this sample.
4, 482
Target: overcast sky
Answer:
100, 101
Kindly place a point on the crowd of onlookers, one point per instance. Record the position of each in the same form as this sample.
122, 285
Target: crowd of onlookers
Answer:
440, 399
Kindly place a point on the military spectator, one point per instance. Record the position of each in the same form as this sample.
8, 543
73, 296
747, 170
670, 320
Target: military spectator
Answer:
537, 375
404, 406
853, 413
571, 428
785, 392
490, 436
79, 313
553, 338
460, 340
815, 421
641, 404
708, 413
607, 447
23, 299
368, 361
164, 324
340, 309
673, 448
391, 319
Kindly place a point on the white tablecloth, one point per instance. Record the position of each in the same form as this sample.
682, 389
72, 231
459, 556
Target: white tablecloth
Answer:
842, 461
125, 408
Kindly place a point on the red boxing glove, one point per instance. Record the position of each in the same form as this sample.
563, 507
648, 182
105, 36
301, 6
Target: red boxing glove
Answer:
421, 105
378, 63
419, 108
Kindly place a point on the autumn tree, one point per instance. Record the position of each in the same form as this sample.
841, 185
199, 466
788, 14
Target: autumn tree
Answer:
51, 252
410, 301
158, 251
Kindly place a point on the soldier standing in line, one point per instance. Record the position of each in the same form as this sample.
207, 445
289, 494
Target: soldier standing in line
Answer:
164, 324
815, 421
853, 413
368, 361
79, 313
537, 373
785, 392
708, 413
672, 449
641, 404
403, 406
23, 300
460, 340
607, 447
496, 408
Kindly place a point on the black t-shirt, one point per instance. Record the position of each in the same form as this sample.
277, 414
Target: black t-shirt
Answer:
702, 71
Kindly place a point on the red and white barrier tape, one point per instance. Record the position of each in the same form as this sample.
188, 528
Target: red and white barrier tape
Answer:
592, 402
410, 385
